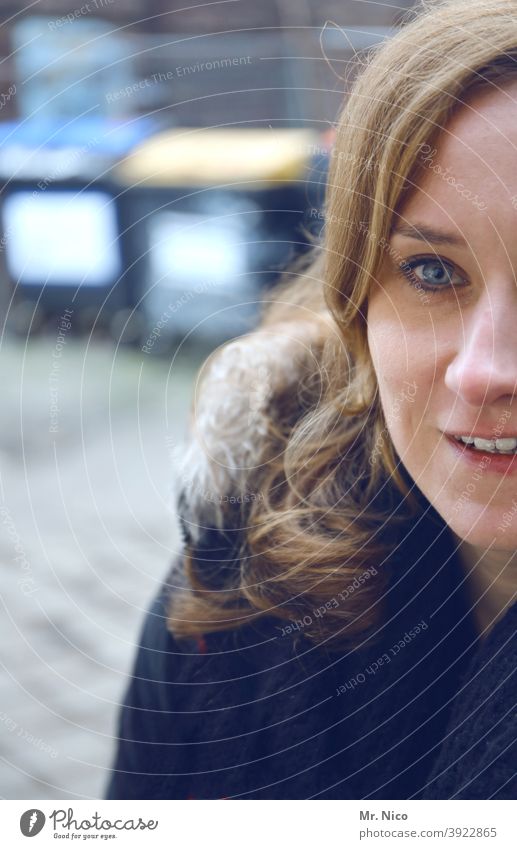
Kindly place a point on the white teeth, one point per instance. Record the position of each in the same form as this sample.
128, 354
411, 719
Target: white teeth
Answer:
485, 444
503, 446
509, 444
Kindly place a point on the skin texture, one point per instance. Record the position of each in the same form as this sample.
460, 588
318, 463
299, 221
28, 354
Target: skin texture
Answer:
458, 344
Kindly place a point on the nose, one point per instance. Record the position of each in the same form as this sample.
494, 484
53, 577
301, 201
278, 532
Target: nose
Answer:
484, 370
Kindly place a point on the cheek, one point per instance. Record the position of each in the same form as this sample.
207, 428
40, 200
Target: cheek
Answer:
406, 340
392, 345
405, 363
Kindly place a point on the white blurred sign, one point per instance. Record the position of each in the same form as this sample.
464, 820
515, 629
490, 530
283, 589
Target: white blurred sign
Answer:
62, 238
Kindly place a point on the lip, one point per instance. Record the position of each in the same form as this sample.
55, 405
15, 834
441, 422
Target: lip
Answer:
503, 464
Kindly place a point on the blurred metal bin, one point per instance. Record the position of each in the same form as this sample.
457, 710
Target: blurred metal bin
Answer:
62, 250
215, 214
62, 243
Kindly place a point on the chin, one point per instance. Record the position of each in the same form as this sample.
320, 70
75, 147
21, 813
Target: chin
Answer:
484, 527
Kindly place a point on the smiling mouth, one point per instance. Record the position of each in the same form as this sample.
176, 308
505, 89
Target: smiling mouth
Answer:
506, 446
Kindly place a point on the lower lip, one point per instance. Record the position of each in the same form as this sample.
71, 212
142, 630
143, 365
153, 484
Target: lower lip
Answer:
503, 464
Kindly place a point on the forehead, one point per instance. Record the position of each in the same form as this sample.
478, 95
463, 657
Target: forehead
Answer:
475, 154
489, 114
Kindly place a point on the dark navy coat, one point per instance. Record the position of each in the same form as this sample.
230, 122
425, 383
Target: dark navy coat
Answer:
424, 710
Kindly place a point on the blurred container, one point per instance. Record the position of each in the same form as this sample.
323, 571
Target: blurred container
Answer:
62, 244
218, 213
183, 239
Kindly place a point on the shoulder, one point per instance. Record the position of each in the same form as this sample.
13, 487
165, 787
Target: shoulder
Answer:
200, 715
234, 654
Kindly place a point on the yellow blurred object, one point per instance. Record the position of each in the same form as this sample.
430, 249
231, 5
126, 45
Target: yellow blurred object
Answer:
219, 156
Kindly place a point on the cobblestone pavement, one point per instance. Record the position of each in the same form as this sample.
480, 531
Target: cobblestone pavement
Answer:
86, 536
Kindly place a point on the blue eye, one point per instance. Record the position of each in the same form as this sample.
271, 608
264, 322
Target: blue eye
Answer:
436, 273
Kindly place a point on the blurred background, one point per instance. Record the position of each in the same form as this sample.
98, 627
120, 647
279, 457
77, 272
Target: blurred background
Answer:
160, 164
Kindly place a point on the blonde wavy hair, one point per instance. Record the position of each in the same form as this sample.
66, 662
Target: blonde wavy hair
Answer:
334, 499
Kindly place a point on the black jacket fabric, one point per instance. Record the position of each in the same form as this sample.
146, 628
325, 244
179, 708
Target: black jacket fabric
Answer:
426, 710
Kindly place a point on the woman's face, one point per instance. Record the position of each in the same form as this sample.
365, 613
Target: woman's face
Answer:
442, 331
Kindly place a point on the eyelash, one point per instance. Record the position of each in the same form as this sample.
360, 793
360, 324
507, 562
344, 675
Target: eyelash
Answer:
406, 268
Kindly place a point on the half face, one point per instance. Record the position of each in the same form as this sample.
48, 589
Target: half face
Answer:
442, 323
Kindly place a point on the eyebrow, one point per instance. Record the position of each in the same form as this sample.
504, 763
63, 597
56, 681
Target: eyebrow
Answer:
428, 234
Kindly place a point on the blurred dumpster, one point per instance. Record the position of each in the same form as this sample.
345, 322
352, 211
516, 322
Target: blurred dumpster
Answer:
151, 235
216, 214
